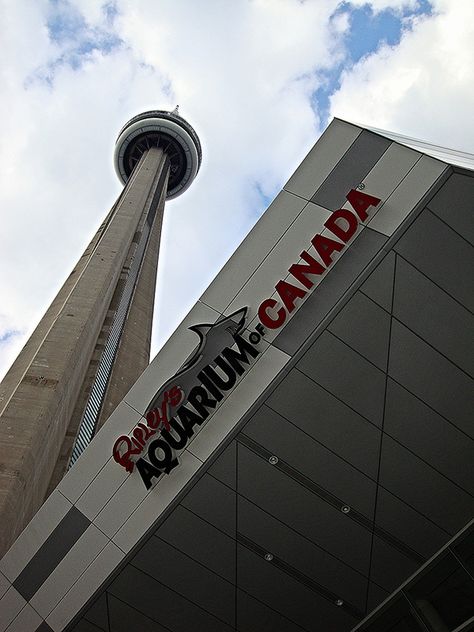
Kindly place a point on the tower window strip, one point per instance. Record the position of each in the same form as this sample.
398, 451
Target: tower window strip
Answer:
95, 400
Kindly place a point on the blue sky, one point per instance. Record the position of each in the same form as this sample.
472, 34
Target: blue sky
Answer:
259, 80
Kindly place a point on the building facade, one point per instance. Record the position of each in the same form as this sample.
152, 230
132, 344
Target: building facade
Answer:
303, 443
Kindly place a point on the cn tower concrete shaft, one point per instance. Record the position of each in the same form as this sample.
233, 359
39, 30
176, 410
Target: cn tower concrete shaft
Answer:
43, 396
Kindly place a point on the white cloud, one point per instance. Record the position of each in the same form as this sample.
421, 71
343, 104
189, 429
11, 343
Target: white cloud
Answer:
243, 74
424, 87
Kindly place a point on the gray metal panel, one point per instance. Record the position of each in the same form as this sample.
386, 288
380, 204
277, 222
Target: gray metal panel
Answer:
224, 468
347, 375
97, 613
431, 377
284, 594
254, 615
82, 626
161, 604
379, 285
365, 327
430, 436
301, 554
48, 556
328, 420
389, 566
312, 460
445, 258
408, 525
212, 501
434, 316
330, 290
124, 618
44, 627
356, 163
200, 541
450, 507
454, 203
188, 578
304, 511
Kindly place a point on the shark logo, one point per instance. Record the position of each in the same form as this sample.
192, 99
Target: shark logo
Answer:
221, 356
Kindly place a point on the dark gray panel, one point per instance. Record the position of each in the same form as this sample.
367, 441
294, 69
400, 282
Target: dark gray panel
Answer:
389, 566
318, 304
223, 467
97, 613
426, 433
214, 502
313, 460
328, 420
347, 375
253, 615
201, 541
454, 203
283, 593
188, 578
434, 316
379, 285
424, 488
161, 604
365, 327
48, 556
442, 255
431, 377
296, 506
301, 554
407, 525
124, 618
376, 596
349, 172
82, 626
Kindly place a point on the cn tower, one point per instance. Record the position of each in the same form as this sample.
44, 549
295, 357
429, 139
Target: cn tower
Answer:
94, 340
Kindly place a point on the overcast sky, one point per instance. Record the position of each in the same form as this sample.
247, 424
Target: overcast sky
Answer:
259, 80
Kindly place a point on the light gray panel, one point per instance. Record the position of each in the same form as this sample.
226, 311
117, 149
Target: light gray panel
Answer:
220, 511
434, 316
379, 285
295, 550
224, 466
328, 420
442, 255
454, 203
428, 435
313, 460
188, 578
431, 377
161, 604
365, 327
48, 556
253, 615
124, 618
356, 163
347, 375
284, 594
330, 290
300, 509
407, 525
423, 488
201, 541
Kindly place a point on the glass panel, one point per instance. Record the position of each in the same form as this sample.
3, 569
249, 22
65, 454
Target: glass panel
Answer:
464, 549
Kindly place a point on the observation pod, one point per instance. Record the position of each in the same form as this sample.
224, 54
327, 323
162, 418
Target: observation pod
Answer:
167, 131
